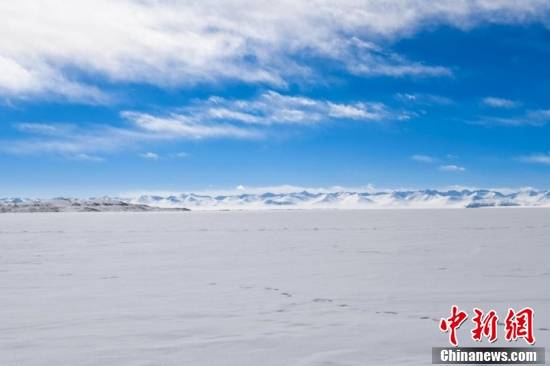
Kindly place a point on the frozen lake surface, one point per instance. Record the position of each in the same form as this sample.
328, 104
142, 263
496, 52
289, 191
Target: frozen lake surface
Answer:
269, 288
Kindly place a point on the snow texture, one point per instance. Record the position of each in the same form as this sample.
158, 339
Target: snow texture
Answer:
270, 288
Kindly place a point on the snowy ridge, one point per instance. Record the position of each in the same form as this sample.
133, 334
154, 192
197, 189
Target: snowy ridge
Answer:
351, 200
63, 204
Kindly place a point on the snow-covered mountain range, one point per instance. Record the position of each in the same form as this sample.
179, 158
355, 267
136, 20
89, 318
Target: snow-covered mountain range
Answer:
465, 198
352, 200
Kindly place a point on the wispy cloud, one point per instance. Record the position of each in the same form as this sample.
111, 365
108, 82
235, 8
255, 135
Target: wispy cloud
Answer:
145, 129
44, 128
535, 159
168, 43
367, 58
180, 155
451, 168
180, 126
274, 108
87, 157
535, 118
156, 156
149, 155
424, 99
210, 118
500, 102
424, 158
71, 144
443, 164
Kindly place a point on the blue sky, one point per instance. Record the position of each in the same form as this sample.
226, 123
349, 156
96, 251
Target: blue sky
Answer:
105, 97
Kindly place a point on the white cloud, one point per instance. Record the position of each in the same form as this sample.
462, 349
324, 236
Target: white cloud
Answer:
536, 159
18, 78
452, 168
500, 102
49, 48
424, 158
149, 155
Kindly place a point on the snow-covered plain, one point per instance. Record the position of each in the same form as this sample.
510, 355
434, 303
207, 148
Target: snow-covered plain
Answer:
268, 288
